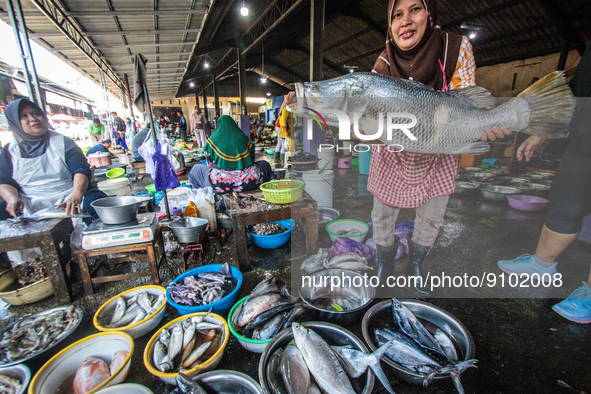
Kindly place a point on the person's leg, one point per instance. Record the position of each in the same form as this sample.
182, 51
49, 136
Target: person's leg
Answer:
199, 176
428, 221
570, 202
384, 220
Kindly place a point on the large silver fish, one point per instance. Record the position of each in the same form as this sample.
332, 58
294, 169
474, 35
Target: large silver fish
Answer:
294, 371
445, 122
322, 362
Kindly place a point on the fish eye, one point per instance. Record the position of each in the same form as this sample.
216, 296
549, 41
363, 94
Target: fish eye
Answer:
314, 89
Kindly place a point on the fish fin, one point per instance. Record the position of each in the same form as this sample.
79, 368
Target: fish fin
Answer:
377, 369
476, 95
455, 371
550, 107
474, 148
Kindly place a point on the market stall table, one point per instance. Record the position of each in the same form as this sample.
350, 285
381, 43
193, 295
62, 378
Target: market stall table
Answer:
263, 212
147, 247
53, 238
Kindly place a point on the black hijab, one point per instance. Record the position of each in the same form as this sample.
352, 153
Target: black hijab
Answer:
30, 146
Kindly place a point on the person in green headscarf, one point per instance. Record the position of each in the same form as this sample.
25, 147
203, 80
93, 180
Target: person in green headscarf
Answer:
231, 166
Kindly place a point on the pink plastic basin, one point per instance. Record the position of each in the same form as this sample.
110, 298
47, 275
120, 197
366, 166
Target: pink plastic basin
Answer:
523, 202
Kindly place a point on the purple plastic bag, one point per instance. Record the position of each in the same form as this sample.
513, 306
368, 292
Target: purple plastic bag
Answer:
343, 245
401, 229
164, 175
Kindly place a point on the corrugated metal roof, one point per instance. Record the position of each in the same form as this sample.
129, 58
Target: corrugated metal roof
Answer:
165, 32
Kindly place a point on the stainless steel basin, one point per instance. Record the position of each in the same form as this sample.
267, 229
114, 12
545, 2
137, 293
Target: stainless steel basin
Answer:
120, 209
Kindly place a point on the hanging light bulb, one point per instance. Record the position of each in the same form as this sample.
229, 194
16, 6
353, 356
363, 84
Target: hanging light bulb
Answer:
243, 10
263, 80
192, 84
472, 36
206, 65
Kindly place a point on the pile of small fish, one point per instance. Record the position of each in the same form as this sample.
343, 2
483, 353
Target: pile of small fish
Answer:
187, 344
132, 310
94, 371
268, 309
310, 365
349, 233
414, 347
30, 272
10, 384
33, 334
267, 229
347, 261
204, 289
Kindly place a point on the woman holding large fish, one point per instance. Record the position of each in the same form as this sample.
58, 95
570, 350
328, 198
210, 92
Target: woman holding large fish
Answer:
411, 80
418, 50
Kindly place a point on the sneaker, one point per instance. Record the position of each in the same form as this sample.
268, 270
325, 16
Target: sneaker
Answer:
577, 307
525, 264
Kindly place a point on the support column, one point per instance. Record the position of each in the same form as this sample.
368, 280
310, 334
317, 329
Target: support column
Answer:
242, 77
316, 37
204, 109
25, 49
216, 94
130, 104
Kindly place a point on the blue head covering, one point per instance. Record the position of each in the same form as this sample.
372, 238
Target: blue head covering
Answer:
30, 145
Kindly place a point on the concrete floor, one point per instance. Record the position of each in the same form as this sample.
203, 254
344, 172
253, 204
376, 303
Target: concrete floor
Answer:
521, 344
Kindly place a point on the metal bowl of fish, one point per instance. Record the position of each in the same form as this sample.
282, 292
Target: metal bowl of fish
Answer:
187, 230
497, 192
347, 228
538, 190
342, 304
194, 343
92, 363
135, 312
326, 214
226, 381
19, 342
324, 372
15, 379
382, 323
465, 188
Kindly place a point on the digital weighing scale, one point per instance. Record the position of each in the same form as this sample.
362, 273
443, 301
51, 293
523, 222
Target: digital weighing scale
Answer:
99, 235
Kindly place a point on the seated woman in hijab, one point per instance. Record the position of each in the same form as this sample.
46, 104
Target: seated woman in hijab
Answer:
231, 165
41, 168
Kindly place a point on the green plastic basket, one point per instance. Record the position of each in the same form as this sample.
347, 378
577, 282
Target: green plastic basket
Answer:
283, 191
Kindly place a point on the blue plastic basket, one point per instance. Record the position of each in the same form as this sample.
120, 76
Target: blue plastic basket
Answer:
221, 307
273, 241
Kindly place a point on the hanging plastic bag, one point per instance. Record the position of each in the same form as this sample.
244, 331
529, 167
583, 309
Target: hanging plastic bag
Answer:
164, 177
147, 150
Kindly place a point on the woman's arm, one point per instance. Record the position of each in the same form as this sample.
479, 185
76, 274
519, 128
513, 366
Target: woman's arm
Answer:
14, 205
74, 201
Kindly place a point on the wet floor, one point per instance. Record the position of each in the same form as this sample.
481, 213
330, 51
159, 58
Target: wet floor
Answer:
520, 343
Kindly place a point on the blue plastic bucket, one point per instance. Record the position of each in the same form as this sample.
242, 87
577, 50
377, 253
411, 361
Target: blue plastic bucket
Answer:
221, 307
364, 160
274, 241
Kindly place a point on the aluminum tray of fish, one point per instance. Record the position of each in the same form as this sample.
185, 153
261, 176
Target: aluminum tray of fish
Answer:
187, 344
34, 334
268, 309
131, 310
205, 288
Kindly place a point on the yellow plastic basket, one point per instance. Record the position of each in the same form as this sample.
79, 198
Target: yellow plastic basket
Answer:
283, 191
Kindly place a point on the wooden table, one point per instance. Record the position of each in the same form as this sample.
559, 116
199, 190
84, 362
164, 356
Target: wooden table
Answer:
53, 237
306, 208
148, 247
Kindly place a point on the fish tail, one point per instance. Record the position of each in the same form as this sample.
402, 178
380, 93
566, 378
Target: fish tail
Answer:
550, 107
454, 371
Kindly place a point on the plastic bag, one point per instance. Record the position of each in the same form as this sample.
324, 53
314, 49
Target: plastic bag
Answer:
204, 199
401, 229
147, 150
343, 245
164, 177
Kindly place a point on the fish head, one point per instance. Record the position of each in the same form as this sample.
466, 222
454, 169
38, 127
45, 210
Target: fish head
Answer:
299, 331
343, 94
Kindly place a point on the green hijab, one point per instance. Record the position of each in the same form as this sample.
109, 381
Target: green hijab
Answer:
230, 149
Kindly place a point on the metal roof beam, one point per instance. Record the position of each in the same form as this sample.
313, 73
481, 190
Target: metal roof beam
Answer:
479, 14
130, 45
109, 33
75, 35
104, 13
